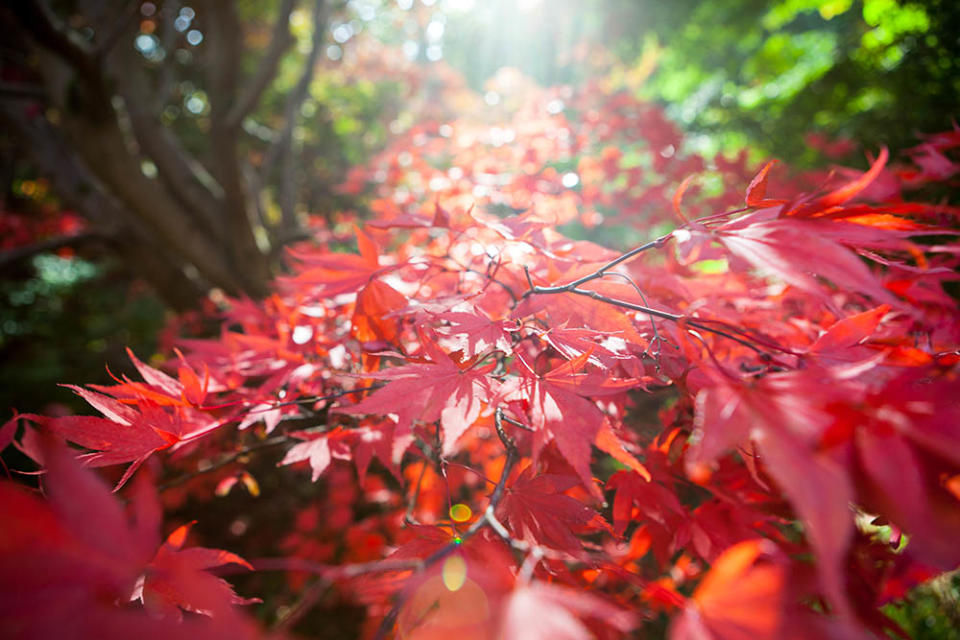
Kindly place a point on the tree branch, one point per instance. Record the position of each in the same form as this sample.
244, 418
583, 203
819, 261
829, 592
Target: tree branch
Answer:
81, 190
225, 460
245, 256
574, 287
266, 71
168, 40
39, 24
599, 273
47, 29
282, 148
120, 24
12, 256
17, 90
488, 519
184, 177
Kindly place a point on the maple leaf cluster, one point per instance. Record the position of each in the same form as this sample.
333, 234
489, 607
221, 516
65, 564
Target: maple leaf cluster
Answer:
744, 418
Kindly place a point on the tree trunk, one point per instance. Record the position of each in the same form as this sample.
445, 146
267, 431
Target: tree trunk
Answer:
92, 125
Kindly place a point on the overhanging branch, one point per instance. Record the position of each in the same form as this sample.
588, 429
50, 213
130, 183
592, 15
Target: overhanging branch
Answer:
280, 41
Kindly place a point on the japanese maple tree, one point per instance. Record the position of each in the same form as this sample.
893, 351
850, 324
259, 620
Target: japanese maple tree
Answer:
742, 415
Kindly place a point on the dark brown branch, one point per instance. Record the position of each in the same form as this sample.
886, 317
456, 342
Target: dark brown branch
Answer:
283, 148
245, 256
300, 91
333, 571
599, 273
574, 287
47, 29
127, 18
39, 24
661, 314
516, 423
225, 460
79, 189
183, 176
17, 254
653, 324
486, 274
28, 91
408, 517
488, 519
89, 120
169, 36
280, 41
302, 606
104, 149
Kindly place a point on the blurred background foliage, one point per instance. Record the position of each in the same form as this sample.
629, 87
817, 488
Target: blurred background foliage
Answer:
740, 72
810, 81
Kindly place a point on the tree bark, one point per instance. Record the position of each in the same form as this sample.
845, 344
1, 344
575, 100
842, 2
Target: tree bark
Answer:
94, 146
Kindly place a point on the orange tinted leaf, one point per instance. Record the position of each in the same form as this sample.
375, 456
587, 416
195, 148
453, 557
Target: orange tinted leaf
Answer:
757, 191
741, 598
850, 331
608, 441
825, 203
372, 320
536, 509
678, 198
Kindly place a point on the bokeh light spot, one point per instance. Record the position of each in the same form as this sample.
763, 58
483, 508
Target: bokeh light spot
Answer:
454, 572
460, 513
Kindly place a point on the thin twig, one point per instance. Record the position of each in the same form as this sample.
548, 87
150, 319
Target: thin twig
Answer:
574, 287
488, 519
660, 314
49, 244
280, 41
412, 506
516, 423
599, 273
643, 298
224, 461
302, 606
256, 408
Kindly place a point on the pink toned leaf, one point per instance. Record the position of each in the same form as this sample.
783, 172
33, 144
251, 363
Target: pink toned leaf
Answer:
741, 598
317, 451
156, 378
826, 203
757, 191
850, 331
542, 611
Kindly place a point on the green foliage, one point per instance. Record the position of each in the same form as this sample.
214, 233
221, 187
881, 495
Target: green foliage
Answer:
68, 318
931, 611
875, 71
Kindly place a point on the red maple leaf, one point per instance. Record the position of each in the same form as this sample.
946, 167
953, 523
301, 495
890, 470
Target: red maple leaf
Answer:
757, 191
794, 251
329, 274
786, 415
828, 203
476, 331
176, 579
441, 389
373, 315
741, 598
652, 504
561, 409
315, 448
68, 564
544, 611
536, 509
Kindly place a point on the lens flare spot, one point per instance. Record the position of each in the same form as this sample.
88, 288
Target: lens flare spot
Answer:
460, 513
454, 572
